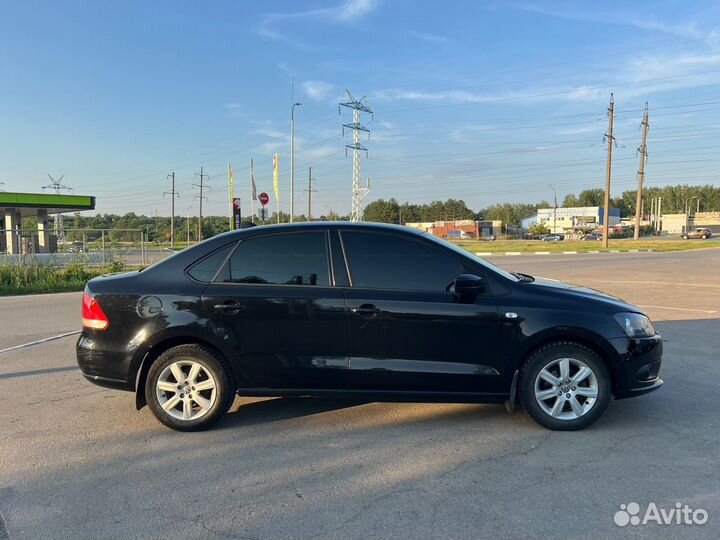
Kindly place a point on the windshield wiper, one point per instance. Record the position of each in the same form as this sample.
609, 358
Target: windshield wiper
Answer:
523, 277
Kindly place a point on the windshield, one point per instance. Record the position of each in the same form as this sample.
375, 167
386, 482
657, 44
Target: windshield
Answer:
475, 258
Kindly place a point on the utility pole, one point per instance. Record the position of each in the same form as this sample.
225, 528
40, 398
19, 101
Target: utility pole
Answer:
310, 191
358, 192
611, 141
554, 211
201, 185
172, 194
642, 150
292, 160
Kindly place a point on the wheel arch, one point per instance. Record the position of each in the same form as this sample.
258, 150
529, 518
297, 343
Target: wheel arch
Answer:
154, 352
593, 342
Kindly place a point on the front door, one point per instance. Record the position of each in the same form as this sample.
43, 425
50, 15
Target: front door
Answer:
407, 332
276, 307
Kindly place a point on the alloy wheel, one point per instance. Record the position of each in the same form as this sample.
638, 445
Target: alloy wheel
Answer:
186, 390
566, 388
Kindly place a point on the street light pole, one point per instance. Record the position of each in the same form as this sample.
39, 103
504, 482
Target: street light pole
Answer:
555, 211
292, 160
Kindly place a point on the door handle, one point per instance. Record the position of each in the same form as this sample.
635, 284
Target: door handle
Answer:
231, 306
366, 310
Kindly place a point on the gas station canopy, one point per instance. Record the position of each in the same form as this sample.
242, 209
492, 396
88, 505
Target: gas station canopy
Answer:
16, 206
27, 204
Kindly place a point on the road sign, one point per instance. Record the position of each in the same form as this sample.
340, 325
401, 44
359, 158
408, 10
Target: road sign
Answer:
263, 198
237, 213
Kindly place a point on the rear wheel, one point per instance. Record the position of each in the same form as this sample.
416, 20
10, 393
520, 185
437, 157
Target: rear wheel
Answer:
705, 237
564, 386
684, 236
188, 388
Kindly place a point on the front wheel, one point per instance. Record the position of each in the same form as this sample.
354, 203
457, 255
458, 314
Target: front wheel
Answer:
684, 236
188, 388
564, 386
705, 237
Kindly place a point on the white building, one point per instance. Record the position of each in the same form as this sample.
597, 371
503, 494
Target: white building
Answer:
559, 220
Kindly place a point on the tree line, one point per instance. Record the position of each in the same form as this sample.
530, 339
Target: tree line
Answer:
674, 199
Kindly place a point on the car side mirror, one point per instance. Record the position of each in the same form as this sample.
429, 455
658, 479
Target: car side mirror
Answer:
468, 285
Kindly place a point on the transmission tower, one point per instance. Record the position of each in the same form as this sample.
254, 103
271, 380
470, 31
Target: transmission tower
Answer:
57, 186
358, 192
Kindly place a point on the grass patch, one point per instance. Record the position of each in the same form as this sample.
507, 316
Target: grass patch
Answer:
531, 246
39, 278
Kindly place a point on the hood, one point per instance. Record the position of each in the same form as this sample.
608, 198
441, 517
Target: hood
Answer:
583, 293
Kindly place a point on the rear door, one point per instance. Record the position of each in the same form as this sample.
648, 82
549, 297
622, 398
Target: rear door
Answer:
275, 305
407, 332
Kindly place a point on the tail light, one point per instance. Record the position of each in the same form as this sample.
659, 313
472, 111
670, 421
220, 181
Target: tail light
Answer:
92, 314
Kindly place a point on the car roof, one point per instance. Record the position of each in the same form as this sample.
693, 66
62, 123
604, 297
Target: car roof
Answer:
346, 225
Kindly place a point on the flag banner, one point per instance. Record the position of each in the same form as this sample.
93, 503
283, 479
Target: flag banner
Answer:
276, 177
252, 181
237, 214
231, 194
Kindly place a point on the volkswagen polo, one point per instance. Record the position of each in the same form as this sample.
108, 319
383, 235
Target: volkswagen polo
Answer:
375, 311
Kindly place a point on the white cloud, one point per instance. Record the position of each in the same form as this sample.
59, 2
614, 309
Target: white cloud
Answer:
687, 30
431, 38
346, 12
317, 90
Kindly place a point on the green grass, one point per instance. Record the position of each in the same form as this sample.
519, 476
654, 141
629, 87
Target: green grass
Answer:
530, 246
38, 278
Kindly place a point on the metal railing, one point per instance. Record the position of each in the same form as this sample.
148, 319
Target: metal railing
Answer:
86, 246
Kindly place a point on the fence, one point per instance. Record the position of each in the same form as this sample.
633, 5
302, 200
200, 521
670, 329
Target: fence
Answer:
87, 246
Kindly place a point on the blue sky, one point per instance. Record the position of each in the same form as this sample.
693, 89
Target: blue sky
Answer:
483, 101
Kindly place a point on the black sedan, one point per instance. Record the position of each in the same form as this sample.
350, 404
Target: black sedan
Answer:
358, 310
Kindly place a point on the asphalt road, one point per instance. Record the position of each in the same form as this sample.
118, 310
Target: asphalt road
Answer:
77, 461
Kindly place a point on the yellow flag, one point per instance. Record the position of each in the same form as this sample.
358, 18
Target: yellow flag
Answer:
231, 193
276, 177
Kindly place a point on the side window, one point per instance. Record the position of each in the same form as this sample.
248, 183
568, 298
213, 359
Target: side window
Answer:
282, 259
381, 261
206, 268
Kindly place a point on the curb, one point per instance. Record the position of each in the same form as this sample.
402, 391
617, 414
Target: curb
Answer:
595, 252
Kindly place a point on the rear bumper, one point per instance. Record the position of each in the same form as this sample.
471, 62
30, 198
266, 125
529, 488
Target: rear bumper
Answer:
101, 366
638, 372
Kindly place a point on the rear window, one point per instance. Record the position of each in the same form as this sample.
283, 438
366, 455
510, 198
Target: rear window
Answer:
205, 269
280, 259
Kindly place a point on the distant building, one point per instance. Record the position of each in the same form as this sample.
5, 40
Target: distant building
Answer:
474, 229
560, 220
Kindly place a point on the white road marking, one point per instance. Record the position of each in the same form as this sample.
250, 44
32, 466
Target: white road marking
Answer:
655, 283
38, 341
710, 311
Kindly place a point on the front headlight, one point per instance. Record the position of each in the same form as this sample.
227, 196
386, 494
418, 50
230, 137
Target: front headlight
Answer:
635, 325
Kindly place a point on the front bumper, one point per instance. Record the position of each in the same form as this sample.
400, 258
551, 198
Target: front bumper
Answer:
638, 371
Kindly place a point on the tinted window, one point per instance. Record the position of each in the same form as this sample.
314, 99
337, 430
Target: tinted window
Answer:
381, 261
283, 259
206, 268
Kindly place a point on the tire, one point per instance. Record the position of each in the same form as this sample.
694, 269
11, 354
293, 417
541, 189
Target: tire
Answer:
684, 237
705, 237
589, 396
201, 402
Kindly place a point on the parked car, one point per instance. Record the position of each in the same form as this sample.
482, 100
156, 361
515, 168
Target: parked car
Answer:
700, 232
456, 234
551, 238
593, 236
358, 310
